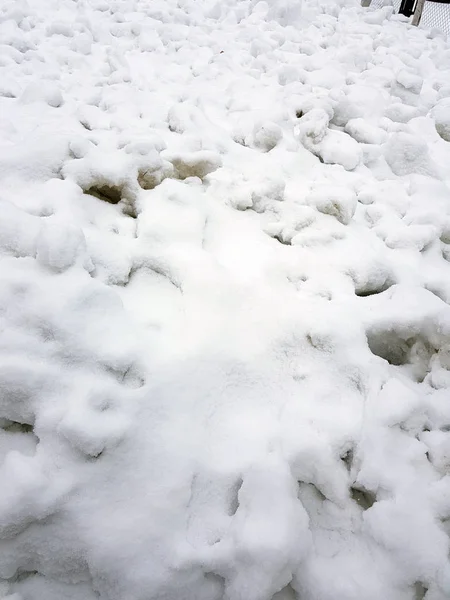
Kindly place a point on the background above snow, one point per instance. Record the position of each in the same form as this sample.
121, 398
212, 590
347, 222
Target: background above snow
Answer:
224, 302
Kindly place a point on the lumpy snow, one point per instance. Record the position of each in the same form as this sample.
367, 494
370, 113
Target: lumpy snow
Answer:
224, 302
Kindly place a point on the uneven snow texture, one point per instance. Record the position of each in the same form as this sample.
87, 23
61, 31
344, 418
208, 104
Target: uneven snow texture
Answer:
224, 302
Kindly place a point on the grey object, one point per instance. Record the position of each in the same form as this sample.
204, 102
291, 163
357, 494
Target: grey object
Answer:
435, 15
418, 9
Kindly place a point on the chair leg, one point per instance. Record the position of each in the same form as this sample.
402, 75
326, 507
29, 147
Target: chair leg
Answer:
418, 12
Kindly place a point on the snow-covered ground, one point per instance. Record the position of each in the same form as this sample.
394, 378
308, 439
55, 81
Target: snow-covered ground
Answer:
224, 302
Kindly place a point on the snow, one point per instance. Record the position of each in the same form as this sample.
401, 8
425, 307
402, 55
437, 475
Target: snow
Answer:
225, 302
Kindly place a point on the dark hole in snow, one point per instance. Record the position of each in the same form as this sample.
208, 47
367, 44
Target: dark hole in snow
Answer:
347, 459
372, 290
390, 346
419, 590
318, 494
85, 124
363, 498
401, 349
22, 574
7, 94
107, 193
93, 457
287, 593
426, 428
445, 525
234, 497
282, 240
15, 427
299, 114
217, 582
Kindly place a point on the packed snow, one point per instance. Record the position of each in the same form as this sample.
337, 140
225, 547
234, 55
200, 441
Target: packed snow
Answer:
224, 301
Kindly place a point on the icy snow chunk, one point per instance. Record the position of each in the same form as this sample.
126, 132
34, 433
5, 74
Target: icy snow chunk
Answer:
438, 443
408, 87
269, 534
18, 231
93, 424
111, 256
316, 237
444, 92
413, 236
183, 117
259, 199
9, 88
266, 193
373, 276
9, 54
15, 436
60, 28
194, 164
409, 531
149, 40
312, 128
365, 132
358, 101
60, 244
310, 102
441, 116
42, 91
314, 461
91, 117
410, 81
38, 158
82, 43
152, 169
29, 493
79, 147
397, 403
339, 202
18, 393
333, 147
406, 154
144, 146
286, 12
325, 77
377, 17
267, 136
341, 149
401, 113
391, 193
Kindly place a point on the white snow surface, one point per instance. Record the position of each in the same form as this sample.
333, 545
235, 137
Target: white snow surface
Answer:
224, 302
